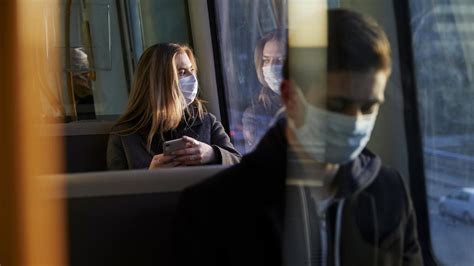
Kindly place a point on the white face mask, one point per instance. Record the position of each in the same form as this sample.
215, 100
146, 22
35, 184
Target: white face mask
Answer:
331, 137
189, 87
273, 75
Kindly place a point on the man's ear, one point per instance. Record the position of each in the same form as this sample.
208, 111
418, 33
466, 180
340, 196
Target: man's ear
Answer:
286, 92
294, 101
289, 95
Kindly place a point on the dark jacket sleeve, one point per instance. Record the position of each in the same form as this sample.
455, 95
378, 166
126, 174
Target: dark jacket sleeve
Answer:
220, 142
411, 248
116, 159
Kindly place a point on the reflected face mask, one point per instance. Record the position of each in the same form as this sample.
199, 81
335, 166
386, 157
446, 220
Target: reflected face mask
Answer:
331, 137
189, 87
273, 75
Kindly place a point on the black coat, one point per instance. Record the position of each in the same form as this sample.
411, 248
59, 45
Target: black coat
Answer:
238, 217
130, 152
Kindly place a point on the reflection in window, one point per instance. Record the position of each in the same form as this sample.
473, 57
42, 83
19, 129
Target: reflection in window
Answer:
96, 63
92, 82
250, 100
443, 38
82, 79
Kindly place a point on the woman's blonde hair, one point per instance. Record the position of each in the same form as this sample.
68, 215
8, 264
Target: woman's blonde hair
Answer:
156, 102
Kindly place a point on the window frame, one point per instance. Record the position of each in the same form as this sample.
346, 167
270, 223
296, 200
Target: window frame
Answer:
417, 186
417, 176
129, 38
219, 76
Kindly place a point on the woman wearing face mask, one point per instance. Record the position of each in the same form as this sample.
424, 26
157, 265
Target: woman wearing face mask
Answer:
163, 105
269, 57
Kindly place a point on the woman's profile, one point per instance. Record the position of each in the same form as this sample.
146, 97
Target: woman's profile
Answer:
269, 55
164, 105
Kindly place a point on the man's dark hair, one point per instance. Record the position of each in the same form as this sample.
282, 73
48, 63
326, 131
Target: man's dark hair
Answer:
355, 43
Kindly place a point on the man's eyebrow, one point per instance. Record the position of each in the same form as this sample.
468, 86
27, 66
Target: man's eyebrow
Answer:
374, 101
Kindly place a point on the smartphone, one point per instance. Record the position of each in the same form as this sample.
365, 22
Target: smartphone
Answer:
173, 145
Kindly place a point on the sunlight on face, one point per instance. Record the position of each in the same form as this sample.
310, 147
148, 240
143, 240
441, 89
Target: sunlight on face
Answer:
184, 66
351, 93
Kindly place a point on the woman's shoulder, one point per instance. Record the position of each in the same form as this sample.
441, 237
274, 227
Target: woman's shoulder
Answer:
124, 130
256, 107
209, 120
208, 117
116, 129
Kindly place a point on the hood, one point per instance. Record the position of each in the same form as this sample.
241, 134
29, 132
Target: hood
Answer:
358, 174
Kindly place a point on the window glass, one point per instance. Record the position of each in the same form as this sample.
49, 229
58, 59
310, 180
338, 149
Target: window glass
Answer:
250, 104
165, 21
89, 43
443, 46
92, 82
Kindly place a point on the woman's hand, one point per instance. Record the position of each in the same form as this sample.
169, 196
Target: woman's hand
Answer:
163, 161
195, 153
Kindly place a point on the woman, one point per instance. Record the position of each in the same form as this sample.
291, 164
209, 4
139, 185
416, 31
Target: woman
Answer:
269, 57
163, 105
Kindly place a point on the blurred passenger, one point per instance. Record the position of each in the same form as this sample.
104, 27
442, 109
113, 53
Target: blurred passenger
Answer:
269, 57
82, 84
311, 193
163, 105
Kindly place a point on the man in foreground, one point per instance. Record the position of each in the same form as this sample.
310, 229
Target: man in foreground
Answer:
311, 193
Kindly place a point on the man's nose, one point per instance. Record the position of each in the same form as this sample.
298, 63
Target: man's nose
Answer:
353, 110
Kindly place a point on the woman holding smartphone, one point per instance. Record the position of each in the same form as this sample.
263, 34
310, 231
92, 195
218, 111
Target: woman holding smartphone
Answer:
164, 106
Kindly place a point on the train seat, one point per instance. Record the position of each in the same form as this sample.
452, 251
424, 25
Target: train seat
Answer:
114, 216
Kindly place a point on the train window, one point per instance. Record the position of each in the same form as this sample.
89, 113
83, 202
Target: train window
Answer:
250, 103
98, 44
164, 21
444, 55
92, 83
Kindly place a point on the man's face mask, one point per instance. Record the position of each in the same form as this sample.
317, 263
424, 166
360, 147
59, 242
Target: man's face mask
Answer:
273, 75
331, 137
189, 87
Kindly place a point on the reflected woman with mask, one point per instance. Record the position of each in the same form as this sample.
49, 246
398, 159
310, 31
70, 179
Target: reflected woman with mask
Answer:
163, 105
269, 56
